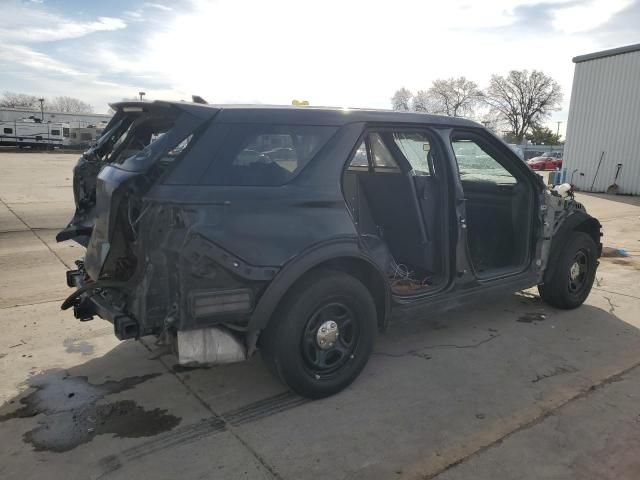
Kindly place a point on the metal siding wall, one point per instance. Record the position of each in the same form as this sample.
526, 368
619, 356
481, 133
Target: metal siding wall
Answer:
604, 115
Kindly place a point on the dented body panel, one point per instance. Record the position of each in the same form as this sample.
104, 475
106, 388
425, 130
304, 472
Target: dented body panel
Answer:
173, 246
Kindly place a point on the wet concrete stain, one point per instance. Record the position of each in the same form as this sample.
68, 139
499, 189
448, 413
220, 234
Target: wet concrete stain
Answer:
439, 326
72, 416
526, 298
72, 345
626, 263
177, 368
555, 372
532, 317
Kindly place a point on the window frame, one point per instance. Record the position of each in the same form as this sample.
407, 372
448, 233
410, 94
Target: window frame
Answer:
436, 143
499, 155
431, 138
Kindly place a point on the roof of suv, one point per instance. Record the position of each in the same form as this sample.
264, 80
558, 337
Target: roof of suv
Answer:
305, 114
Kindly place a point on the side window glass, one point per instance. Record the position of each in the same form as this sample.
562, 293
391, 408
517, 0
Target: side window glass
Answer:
382, 158
416, 149
265, 155
474, 164
360, 160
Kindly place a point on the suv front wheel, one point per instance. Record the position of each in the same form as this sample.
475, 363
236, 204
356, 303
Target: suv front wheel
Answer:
321, 337
575, 271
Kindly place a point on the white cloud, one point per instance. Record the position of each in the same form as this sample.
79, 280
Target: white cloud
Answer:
336, 52
27, 57
588, 15
333, 52
29, 24
157, 6
134, 14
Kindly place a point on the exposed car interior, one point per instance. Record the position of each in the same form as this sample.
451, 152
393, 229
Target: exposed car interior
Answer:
395, 199
497, 208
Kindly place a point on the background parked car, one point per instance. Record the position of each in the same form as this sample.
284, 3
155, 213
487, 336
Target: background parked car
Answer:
547, 161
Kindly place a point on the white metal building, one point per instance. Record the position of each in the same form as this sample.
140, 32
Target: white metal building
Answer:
603, 130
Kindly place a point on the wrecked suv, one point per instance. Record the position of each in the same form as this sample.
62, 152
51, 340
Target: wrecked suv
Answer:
300, 232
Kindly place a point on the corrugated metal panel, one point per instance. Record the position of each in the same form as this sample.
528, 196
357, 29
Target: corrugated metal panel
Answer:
604, 116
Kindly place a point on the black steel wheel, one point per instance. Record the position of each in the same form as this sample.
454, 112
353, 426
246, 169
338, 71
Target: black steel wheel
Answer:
322, 335
578, 272
568, 281
329, 339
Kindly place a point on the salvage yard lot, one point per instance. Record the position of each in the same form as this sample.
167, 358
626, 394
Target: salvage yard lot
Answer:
509, 389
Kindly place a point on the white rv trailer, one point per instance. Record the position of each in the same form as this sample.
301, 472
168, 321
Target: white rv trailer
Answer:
81, 136
30, 133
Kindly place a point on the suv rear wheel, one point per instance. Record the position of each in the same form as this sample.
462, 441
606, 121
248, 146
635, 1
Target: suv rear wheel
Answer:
571, 282
321, 337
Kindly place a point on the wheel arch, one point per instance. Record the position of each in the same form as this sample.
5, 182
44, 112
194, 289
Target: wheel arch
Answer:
344, 256
578, 222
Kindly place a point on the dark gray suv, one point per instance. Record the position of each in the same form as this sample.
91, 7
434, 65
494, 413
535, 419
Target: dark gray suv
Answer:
302, 231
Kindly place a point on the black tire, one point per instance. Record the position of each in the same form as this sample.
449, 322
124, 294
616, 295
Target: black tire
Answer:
290, 345
569, 285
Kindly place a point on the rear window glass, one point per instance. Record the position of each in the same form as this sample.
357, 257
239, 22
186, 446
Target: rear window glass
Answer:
382, 158
415, 147
265, 154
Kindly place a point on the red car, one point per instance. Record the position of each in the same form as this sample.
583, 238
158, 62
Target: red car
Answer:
545, 162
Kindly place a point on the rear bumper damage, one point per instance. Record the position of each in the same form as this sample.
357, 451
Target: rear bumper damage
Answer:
203, 346
90, 300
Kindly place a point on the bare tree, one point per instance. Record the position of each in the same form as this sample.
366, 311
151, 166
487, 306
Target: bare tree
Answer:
421, 102
401, 100
523, 99
68, 105
455, 97
18, 100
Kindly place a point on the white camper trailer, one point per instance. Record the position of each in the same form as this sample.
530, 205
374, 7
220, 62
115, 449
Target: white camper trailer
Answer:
82, 136
34, 134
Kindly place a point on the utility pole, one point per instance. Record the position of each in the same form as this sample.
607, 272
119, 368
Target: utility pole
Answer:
558, 129
142, 94
41, 100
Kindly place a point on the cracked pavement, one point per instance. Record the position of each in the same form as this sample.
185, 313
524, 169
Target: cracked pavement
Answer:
507, 389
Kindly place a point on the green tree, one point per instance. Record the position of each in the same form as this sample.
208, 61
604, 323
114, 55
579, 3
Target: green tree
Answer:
510, 137
542, 136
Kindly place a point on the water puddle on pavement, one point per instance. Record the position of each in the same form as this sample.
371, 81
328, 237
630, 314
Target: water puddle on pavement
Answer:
531, 318
72, 416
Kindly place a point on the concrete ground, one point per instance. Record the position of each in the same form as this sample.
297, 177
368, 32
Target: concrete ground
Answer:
511, 389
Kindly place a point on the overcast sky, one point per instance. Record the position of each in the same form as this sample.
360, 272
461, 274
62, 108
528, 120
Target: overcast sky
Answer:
341, 53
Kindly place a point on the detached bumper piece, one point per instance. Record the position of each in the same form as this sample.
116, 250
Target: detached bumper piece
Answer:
92, 302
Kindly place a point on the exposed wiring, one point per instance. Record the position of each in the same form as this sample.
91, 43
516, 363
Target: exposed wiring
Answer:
405, 277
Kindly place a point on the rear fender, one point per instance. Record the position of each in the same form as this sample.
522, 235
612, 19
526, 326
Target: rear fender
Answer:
325, 253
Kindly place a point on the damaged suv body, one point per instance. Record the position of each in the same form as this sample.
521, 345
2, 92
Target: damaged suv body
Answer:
301, 231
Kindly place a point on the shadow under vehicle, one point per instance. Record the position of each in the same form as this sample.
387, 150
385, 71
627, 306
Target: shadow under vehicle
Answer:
300, 232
